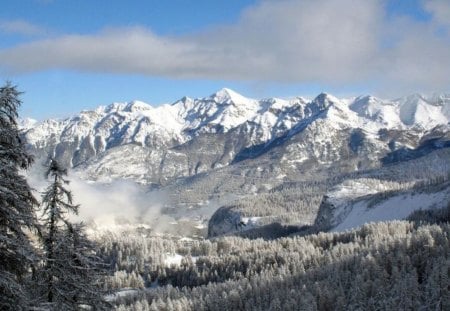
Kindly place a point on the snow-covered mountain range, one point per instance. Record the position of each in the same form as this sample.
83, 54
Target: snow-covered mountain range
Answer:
159, 144
223, 149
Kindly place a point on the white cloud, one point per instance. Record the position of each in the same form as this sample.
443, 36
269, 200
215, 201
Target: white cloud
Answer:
124, 50
440, 9
106, 204
20, 27
419, 62
333, 42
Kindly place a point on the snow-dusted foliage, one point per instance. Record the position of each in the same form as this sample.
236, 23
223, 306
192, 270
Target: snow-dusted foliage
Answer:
66, 275
71, 272
387, 266
79, 271
16, 206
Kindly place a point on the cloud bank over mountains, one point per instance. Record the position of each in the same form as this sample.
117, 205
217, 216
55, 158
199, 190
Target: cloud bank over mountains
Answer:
332, 42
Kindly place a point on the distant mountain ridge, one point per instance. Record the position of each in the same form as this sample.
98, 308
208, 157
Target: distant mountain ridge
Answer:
269, 162
159, 144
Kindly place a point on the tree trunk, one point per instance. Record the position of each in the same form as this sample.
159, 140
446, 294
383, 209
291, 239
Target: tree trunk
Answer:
51, 238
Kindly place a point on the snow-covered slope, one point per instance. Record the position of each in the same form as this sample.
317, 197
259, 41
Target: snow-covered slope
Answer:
27, 123
356, 202
159, 144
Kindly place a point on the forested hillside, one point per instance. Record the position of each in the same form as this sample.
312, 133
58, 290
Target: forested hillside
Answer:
389, 265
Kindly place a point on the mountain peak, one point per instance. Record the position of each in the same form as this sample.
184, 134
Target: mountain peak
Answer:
325, 96
325, 100
227, 95
137, 105
111, 107
26, 123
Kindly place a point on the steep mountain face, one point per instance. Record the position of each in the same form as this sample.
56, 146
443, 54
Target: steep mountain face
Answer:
160, 144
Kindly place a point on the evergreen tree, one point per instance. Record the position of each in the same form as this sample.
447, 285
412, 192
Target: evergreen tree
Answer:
71, 270
82, 270
17, 214
57, 202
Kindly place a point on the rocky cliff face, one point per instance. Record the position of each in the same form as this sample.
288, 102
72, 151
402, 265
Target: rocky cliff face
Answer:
224, 221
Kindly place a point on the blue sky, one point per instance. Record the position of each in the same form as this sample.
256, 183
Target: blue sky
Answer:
73, 55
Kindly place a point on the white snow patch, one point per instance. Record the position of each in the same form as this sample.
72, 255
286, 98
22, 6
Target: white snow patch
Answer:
176, 259
281, 176
122, 293
250, 221
395, 208
200, 226
26, 123
173, 259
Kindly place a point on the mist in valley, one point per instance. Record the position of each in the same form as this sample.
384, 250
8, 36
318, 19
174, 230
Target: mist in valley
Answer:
126, 205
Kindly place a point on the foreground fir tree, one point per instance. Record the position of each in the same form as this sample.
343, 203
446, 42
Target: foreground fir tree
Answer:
71, 273
82, 270
17, 214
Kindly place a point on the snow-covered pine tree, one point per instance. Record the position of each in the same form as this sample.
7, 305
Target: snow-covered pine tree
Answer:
71, 270
83, 270
17, 214
57, 202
